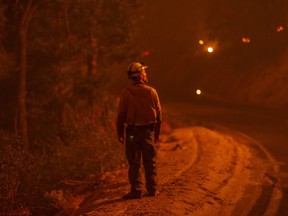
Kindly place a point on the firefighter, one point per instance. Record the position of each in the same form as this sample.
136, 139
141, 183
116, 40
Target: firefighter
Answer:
138, 126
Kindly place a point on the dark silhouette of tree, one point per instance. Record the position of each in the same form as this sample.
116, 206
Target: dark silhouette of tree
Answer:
48, 37
58, 57
20, 14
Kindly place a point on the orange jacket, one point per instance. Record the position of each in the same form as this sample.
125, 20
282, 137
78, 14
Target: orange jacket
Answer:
139, 105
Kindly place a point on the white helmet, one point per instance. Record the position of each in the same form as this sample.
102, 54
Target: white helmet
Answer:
134, 69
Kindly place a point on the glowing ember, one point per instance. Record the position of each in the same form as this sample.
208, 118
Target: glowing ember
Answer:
201, 42
198, 91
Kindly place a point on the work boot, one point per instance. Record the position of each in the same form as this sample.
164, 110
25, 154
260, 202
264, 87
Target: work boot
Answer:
132, 195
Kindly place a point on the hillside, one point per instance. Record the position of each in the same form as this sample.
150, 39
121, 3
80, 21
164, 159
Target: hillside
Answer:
267, 86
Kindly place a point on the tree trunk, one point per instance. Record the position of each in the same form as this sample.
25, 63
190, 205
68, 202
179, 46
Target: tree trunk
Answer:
22, 89
93, 57
23, 31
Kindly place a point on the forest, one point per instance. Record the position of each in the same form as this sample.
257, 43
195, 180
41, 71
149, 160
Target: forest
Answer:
57, 114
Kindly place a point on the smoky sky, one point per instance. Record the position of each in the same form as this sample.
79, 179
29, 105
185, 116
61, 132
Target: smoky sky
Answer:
170, 32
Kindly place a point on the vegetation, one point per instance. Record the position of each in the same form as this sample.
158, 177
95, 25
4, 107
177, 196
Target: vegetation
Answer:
56, 114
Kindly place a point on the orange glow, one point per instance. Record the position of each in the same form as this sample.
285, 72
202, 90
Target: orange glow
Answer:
198, 91
145, 53
210, 49
201, 42
280, 28
246, 40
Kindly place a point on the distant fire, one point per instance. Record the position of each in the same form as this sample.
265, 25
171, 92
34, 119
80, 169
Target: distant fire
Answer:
246, 40
145, 53
280, 28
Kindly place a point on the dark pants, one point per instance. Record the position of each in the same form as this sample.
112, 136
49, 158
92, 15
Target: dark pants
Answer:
140, 144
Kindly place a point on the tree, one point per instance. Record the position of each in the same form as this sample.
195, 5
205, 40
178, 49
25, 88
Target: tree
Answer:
23, 33
20, 14
61, 50
2, 52
53, 35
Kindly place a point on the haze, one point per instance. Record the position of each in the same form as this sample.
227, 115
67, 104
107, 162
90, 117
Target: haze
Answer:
250, 49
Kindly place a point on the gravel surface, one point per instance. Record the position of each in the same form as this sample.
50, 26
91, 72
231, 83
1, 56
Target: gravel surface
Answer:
200, 172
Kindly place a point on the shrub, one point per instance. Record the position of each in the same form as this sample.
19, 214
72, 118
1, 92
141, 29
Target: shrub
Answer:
11, 161
86, 146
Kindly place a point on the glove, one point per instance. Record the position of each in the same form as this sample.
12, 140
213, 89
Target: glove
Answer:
121, 139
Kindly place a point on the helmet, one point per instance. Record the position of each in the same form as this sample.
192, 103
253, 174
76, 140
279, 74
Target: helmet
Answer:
134, 69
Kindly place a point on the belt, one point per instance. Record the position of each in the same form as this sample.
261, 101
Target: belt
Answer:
150, 126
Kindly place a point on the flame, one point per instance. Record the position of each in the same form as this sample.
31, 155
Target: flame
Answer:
280, 28
201, 42
246, 40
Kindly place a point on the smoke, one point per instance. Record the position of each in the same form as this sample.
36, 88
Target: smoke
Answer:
269, 85
178, 64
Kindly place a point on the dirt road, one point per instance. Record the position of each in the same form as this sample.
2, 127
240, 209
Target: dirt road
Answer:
200, 172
